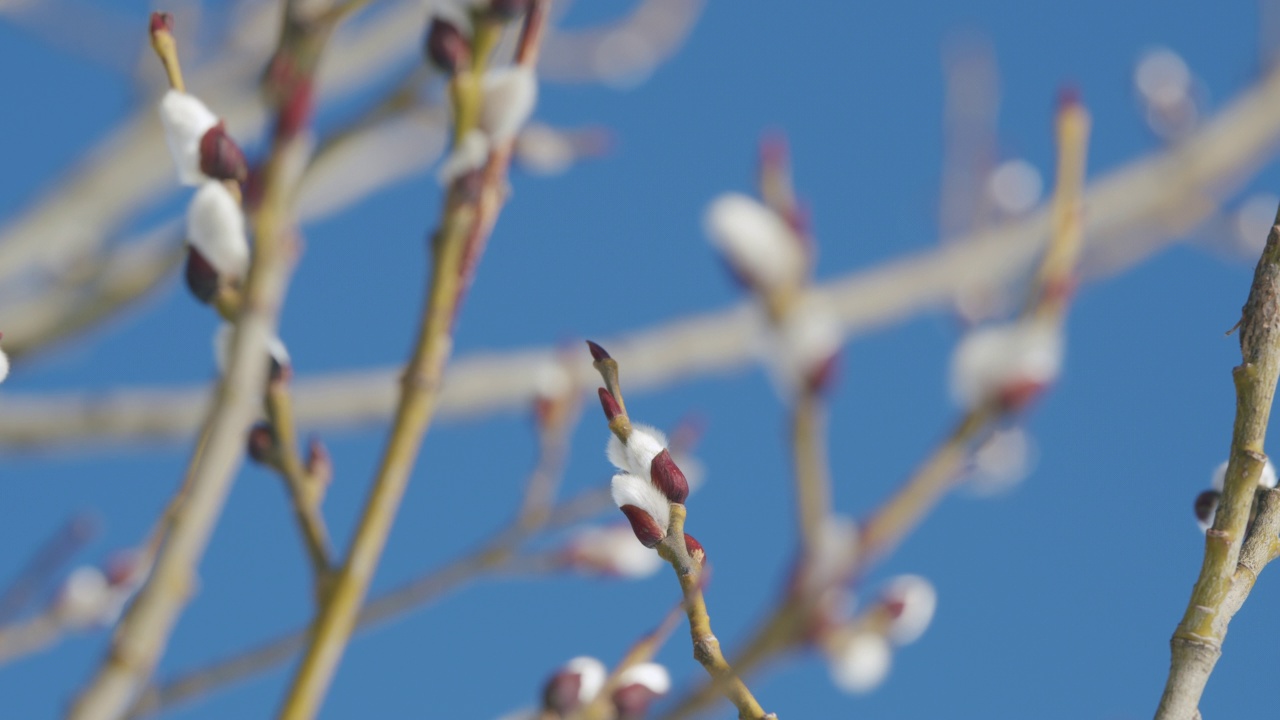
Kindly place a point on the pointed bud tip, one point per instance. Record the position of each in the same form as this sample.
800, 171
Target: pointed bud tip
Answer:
598, 353
668, 477
1069, 97
161, 22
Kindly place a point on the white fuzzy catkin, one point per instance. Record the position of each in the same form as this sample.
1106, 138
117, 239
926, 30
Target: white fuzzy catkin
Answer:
628, 489
1267, 479
919, 601
861, 663
215, 227
800, 343
755, 241
832, 555
470, 154
4, 366
510, 94
636, 457
185, 119
651, 675
992, 359
84, 597
222, 347
613, 550
591, 676
543, 150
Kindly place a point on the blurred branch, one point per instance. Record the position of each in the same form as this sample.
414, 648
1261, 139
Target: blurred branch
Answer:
143, 633
1228, 572
1133, 211
497, 554
126, 170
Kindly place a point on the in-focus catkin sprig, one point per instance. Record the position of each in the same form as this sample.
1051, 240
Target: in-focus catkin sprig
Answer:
650, 490
207, 158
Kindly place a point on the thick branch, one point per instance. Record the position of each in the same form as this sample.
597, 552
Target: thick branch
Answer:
1224, 579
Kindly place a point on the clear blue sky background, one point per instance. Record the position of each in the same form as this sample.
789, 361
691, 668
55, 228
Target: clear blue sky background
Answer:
1056, 600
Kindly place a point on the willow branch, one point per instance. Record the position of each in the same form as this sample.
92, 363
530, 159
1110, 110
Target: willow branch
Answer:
455, 249
1197, 642
1132, 211
305, 491
144, 631
497, 554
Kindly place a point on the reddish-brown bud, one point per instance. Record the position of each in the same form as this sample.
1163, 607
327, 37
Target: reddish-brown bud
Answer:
822, 377
1019, 394
446, 47
668, 477
632, 702
262, 443
123, 567
161, 22
561, 694
319, 463
1068, 97
1206, 504
695, 549
644, 526
295, 111
597, 353
611, 407
220, 156
201, 277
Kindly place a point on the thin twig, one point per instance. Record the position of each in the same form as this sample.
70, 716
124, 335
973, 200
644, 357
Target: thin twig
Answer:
1227, 574
144, 631
463, 228
787, 625
1132, 211
496, 554
305, 492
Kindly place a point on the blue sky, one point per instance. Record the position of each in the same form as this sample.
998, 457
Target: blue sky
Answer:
1055, 600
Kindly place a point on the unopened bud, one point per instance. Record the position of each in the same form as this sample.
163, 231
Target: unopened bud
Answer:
262, 443
638, 686
1206, 508
574, 685
161, 22
319, 463
609, 404
695, 549
910, 601
220, 156
598, 353
201, 277
646, 528
446, 47
667, 476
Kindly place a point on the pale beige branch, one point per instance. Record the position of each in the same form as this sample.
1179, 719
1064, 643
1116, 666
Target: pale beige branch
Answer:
1130, 212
